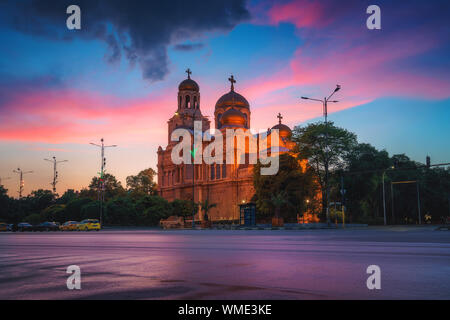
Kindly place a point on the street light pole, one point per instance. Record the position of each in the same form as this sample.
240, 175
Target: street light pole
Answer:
21, 182
101, 191
325, 114
55, 172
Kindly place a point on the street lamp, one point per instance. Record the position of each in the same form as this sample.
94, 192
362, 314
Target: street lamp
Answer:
101, 192
324, 102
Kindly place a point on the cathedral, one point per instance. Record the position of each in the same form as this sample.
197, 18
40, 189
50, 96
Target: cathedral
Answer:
226, 185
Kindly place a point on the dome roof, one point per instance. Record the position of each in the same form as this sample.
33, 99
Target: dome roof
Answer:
284, 130
189, 84
232, 99
233, 117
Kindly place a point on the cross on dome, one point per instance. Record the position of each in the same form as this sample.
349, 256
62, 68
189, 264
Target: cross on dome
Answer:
188, 71
233, 81
279, 117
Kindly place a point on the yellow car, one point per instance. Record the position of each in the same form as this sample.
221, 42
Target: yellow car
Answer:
69, 226
89, 224
3, 226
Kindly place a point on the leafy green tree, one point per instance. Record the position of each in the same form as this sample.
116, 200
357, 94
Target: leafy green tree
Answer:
151, 209
364, 186
278, 200
312, 145
40, 199
90, 210
182, 208
73, 208
33, 219
292, 181
5, 205
69, 195
143, 182
121, 211
56, 212
112, 187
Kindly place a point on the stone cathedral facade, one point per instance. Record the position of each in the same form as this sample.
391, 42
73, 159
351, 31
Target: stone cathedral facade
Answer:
226, 185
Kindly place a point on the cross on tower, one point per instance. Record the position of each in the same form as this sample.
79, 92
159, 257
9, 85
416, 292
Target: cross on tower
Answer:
231, 79
279, 117
188, 71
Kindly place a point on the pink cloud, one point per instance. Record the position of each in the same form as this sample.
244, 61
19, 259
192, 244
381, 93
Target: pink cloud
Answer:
57, 116
302, 13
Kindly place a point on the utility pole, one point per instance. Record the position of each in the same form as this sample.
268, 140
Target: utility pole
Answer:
325, 114
101, 187
21, 182
55, 172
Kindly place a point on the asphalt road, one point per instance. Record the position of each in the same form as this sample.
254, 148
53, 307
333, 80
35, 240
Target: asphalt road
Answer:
219, 264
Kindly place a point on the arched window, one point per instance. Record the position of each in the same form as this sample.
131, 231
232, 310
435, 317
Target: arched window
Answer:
195, 103
188, 100
180, 101
224, 170
212, 172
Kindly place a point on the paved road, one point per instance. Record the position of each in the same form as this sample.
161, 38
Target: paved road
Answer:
219, 264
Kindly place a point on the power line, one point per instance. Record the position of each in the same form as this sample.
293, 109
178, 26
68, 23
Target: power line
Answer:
55, 172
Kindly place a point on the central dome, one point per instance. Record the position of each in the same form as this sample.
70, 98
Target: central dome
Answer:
232, 99
189, 84
234, 118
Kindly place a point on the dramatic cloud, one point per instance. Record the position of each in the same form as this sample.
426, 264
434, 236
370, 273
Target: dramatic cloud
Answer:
141, 29
338, 48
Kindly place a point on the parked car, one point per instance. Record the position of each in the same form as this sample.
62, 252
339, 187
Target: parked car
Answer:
3, 226
89, 224
69, 226
24, 226
46, 226
10, 227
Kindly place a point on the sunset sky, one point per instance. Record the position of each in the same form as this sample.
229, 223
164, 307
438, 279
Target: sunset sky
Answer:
118, 76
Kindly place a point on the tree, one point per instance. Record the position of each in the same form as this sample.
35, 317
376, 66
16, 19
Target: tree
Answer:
182, 208
41, 199
73, 208
112, 186
312, 143
151, 209
205, 206
364, 188
143, 182
56, 212
278, 200
5, 205
296, 183
121, 211
33, 219
69, 195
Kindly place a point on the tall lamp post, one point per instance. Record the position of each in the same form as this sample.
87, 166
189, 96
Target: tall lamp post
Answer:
101, 192
55, 172
325, 102
21, 182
